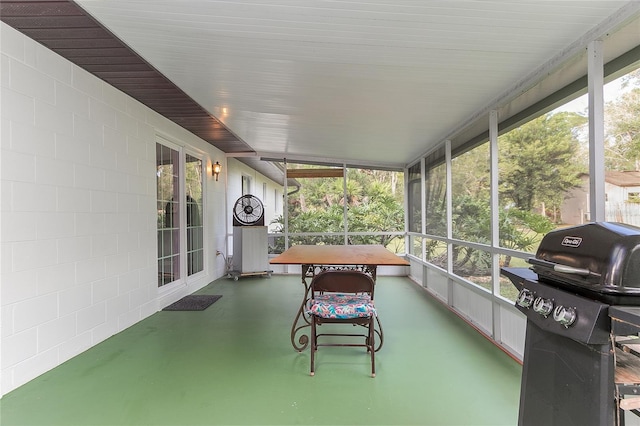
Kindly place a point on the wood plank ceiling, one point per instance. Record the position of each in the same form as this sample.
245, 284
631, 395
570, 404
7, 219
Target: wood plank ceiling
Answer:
365, 82
65, 28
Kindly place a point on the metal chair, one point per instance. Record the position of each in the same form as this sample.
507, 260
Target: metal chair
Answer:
342, 297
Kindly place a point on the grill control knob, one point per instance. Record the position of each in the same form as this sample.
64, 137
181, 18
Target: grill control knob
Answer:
565, 316
525, 298
543, 306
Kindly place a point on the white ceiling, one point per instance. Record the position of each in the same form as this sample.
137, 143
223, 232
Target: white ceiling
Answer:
364, 81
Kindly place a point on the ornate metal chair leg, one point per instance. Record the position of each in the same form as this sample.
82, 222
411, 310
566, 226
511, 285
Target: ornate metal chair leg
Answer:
371, 346
313, 347
379, 333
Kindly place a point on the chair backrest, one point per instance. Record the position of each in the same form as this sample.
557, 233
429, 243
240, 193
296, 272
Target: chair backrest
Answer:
343, 281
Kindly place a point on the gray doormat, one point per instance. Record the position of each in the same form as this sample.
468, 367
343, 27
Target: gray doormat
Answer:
194, 302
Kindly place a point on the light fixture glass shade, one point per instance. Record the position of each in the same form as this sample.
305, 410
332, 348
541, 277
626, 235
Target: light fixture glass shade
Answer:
215, 169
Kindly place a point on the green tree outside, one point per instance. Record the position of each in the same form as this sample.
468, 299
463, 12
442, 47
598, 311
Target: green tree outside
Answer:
538, 162
374, 201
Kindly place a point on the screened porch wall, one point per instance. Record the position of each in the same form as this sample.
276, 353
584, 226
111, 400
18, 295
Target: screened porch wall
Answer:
497, 319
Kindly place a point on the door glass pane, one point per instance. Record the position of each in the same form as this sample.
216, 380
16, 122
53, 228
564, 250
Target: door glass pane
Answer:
168, 211
195, 234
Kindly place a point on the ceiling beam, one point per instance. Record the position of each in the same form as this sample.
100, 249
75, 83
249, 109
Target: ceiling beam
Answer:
314, 173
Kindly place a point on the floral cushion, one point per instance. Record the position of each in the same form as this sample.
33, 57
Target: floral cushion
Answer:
342, 306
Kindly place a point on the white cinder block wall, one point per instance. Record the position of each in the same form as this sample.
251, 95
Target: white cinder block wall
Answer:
78, 210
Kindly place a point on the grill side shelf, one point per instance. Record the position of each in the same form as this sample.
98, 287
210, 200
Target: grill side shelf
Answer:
625, 320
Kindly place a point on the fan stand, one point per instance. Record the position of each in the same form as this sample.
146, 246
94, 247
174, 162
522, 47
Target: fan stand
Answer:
235, 275
250, 239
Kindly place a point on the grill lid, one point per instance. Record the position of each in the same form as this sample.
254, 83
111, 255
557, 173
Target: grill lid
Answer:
601, 259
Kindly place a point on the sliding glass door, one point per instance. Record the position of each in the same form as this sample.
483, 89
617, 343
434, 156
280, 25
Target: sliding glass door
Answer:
195, 234
179, 213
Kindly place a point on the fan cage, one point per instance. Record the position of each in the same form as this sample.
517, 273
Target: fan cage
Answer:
248, 210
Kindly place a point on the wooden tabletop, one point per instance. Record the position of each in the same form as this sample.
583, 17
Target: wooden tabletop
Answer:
338, 255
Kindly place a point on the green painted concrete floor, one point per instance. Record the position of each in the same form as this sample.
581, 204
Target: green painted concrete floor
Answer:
234, 364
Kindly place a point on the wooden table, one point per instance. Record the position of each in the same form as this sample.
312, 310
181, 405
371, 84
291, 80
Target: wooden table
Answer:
313, 259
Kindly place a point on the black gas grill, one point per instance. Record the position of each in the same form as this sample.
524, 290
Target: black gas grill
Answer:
598, 260
569, 366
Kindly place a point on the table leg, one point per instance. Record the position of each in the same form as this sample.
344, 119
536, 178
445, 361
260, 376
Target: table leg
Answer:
372, 270
301, 321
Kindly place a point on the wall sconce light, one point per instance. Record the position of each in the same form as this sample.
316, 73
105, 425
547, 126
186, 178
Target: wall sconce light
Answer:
216, 169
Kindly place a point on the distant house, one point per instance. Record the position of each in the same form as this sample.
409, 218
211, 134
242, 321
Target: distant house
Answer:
623, 197
575, 208
622, 191
622, 187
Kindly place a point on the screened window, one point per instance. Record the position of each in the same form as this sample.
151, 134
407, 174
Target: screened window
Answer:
336, 205
622, 149
246, 185
543, 182
415, 198
375, 208
472, 264
541, 168
436, 252
471, 214
316, 205
436, 200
